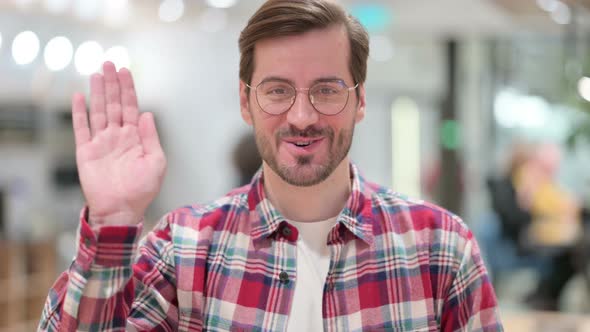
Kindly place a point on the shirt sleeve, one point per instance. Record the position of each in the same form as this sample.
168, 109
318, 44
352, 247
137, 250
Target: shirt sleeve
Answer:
471, 304
104, 290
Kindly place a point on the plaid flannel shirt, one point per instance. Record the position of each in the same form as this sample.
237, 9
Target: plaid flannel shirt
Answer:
396, 265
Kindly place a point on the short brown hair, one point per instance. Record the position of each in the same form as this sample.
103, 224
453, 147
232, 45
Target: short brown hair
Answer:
279, 18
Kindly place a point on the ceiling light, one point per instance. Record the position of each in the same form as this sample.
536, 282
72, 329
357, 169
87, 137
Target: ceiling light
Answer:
547, 5
88, 57
561, 14
584, 88
58, 53
25, 47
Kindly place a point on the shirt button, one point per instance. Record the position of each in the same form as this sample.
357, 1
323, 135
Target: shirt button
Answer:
287, 231
284, 277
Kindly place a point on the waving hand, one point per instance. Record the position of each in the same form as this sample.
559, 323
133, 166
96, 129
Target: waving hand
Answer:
118, 154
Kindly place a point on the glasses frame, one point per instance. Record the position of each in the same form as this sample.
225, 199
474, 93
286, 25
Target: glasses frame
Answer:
255, 88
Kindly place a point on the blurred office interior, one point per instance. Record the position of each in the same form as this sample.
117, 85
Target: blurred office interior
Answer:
456, 90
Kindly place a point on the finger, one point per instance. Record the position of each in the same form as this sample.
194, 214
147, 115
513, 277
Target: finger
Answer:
148, 134
80, 120
98, 116
128, 98
112, 94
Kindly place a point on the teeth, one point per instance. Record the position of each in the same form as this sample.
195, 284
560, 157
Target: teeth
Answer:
303, 143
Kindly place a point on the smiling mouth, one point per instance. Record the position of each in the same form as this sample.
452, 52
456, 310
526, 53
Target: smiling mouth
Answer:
303, 141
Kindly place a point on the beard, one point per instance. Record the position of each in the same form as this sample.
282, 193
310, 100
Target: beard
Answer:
304, 172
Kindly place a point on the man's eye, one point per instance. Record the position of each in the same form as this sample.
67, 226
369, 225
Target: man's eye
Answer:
277, 91
328, 91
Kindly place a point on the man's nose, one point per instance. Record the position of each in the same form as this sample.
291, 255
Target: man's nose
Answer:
302, 114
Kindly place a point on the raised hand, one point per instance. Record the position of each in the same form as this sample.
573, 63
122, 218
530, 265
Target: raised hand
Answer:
120, 161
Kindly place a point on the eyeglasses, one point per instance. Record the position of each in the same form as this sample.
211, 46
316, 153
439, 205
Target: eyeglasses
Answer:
327, 97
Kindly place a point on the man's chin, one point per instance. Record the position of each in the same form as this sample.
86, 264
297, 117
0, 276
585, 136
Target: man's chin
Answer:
304, 175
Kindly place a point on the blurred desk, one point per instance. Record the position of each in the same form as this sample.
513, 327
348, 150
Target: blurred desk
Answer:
545, 322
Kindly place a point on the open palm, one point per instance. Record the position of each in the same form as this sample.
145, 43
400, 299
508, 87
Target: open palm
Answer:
120, 161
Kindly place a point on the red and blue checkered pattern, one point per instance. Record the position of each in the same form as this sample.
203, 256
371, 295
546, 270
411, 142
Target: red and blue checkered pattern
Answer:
396, 265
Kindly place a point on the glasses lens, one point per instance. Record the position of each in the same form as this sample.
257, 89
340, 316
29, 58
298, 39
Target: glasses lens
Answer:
275, 97
329, 97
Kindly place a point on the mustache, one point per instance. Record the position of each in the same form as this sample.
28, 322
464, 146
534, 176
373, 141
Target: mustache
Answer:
309, 132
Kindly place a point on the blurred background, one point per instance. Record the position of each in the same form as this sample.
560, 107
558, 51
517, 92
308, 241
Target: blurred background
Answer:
482, 106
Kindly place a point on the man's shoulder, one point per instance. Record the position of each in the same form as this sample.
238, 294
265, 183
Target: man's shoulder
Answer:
209, 214
410, 213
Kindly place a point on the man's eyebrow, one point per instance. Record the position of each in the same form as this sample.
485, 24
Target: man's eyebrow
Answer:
317, 80
328, 79
277, 78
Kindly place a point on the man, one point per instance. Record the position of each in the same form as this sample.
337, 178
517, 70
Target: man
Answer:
309, 245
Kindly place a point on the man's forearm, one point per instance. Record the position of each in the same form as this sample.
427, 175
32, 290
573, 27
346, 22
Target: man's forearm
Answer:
99, 276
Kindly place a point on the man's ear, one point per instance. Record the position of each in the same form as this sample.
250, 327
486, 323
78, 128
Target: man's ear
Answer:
362, 104
244, 103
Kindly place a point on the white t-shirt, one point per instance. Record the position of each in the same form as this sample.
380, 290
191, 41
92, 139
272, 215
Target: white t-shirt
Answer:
313, 262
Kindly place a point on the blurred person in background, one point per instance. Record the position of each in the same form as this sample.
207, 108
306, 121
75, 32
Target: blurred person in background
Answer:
538, 191
556, 221
513, 217
309, 245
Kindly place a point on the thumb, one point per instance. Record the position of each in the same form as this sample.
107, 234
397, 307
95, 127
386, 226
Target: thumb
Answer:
148, 134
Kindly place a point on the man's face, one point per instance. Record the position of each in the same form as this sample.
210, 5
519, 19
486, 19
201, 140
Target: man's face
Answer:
303, 59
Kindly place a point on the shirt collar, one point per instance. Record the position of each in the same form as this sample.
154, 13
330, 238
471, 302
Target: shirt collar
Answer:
356, 217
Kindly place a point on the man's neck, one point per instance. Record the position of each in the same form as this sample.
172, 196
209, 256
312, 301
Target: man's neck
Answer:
308, 204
